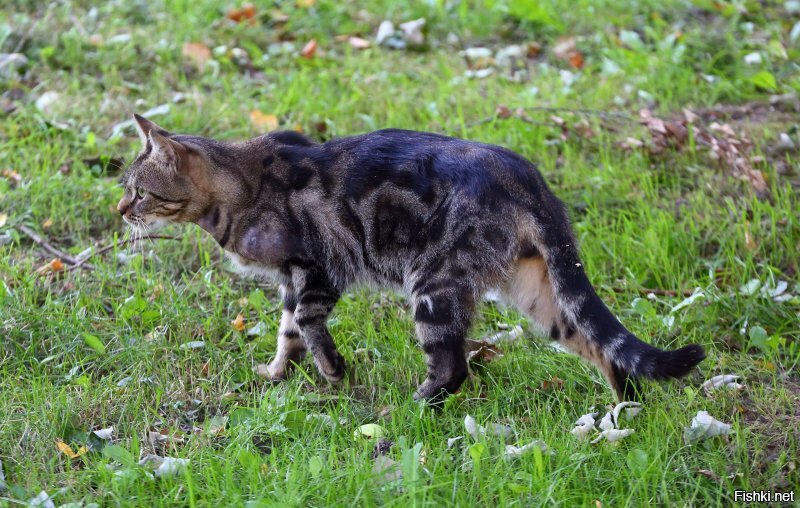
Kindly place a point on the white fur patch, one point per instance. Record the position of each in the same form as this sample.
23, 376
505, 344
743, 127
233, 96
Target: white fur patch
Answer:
251, 270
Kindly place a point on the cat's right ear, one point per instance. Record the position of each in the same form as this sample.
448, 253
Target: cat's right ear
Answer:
144, 126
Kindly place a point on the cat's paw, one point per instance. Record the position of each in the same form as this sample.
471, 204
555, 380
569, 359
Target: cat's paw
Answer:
274, 372
332, 367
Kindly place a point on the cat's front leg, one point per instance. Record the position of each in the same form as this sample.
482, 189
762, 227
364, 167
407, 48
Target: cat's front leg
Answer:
291, 347
316, 298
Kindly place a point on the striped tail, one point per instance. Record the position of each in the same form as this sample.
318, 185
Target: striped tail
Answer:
618, 352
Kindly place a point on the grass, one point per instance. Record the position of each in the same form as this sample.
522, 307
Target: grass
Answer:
671, 222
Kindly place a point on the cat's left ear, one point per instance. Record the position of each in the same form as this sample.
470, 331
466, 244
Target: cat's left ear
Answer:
144, 127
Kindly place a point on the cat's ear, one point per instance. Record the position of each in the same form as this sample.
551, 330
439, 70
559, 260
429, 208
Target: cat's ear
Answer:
163, 147
182, 158
144, 127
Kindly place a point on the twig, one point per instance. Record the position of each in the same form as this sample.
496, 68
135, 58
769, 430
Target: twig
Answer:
523, 119
103, 250
52, 250
583, 111
660, 292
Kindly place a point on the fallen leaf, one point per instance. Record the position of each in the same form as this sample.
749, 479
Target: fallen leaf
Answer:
576, 60
513, 451
711, 475
247, 12
631, 409
386, 470
385, 30
42, 500
164, 466
705, 426
67, 450
482, 352
369, 431
358, 42
104, 434
12, 175
55, 265
607, 422
3, 219
412, 31
238, 323
309, 49
613, 435
263, 122
47, 224
722, 381
198, 53
554, 383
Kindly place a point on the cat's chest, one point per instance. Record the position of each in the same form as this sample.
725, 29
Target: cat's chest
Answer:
259, 252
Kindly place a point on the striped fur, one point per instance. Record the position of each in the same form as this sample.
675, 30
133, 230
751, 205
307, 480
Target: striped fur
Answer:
442, 218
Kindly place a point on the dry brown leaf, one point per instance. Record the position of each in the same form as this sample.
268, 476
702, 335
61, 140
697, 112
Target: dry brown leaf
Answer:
554, 383
197, 53
503, 112
247, 12
358, 42
309, 49
482, 351
12, 175
576, 60
67, 450
263, 122
238, 323
55, 265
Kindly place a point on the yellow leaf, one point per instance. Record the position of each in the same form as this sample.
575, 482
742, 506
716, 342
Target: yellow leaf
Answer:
263, 122
53, 266
306, 3
48, 223
67, 450
3, 219
238, 323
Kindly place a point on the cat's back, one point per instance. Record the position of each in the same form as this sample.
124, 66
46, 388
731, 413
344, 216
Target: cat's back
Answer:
422, 162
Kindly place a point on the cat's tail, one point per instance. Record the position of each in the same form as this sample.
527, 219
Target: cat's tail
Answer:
596, 334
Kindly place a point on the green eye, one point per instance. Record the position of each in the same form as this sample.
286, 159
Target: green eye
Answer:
140, 193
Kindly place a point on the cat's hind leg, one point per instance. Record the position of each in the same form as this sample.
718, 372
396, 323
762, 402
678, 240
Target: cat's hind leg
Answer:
530, 289
291, 347
443, 309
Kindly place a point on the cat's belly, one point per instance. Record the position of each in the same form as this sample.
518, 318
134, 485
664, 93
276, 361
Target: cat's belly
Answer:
253, 269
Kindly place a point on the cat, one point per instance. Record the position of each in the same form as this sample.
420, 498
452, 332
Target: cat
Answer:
441, 218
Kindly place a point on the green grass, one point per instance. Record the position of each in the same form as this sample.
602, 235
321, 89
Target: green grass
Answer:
671, 222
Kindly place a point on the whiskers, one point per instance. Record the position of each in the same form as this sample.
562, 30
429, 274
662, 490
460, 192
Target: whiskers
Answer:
138, 230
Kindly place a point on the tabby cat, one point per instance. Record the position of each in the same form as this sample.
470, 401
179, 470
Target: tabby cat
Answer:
442, 218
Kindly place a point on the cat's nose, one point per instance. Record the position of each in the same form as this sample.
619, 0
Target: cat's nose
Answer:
122, 207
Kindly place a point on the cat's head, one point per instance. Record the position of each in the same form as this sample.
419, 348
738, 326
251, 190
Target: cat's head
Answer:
168, 182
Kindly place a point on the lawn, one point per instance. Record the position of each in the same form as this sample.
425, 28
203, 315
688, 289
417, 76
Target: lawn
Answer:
669, 128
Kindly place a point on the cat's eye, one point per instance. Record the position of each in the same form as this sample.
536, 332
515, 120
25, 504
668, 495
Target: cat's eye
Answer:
140, 193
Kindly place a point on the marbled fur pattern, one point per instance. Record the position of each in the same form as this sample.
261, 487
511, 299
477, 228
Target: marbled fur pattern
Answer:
442, 218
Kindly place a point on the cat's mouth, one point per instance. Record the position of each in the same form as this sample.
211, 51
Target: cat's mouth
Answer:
141, 226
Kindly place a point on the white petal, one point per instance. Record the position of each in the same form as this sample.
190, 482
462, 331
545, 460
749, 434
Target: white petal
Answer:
171, 466
607, 423
104, 434
705, 426
631, 409
613, 435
